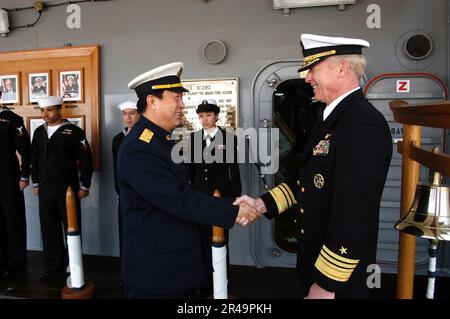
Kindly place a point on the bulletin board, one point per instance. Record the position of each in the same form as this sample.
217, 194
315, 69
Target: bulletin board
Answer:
72, 73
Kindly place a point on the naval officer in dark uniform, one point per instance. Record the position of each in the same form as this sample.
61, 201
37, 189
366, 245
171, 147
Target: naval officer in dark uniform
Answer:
162, 249
13, 180
59, 151
130, 115
342, 171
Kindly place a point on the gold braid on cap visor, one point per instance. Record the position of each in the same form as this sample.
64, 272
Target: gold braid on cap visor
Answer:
315, 57
166, 86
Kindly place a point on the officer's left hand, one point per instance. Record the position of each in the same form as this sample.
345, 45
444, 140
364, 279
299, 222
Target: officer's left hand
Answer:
82, 194
247, 214
23, 185
317, 292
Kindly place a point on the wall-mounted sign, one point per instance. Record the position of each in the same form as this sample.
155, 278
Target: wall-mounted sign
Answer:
224, 90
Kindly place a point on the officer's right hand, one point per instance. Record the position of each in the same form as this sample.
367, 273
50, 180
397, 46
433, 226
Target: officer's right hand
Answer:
36, 191
247, 214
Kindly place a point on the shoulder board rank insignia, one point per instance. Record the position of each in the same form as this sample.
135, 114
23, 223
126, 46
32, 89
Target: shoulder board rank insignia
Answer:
146, 136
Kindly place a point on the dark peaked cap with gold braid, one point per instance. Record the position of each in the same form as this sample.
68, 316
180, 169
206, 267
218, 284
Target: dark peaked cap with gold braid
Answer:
208, 106
317, 48
165, 77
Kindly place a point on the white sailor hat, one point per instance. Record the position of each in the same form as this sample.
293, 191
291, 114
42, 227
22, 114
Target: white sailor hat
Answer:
49, 101
69, 77
165, 77
317, 48
208, 106
127, 105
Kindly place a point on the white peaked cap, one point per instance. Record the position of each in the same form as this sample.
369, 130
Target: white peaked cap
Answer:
208, 101
165, 77
316, 48
310, 41
171, 69
50, 101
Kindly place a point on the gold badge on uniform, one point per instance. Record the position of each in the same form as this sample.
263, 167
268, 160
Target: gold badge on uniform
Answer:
319, 181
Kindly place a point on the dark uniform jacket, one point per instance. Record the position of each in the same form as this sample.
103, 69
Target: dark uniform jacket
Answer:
341, 178
162, 250
55, 161
14, 137
209, 176
116, 142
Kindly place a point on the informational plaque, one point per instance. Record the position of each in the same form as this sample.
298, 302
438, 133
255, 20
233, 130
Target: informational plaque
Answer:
226, 93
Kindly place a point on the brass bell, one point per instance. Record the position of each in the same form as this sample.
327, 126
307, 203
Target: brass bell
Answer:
429, 216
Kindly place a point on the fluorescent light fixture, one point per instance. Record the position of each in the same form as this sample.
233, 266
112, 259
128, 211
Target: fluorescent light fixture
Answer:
287, 4
4, 22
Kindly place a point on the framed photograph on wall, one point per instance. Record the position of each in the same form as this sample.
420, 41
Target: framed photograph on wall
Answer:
71, 85
33, 123
38, 86
10, 88
77, 120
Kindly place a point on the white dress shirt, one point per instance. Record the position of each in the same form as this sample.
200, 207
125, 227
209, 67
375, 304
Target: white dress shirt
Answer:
330, 107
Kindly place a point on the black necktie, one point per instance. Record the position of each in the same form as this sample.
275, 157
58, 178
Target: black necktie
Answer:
208, 138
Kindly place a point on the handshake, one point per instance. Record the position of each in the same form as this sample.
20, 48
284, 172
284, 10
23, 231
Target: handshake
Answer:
250, 209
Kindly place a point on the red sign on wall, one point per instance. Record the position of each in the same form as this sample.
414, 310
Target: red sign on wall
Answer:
403, 86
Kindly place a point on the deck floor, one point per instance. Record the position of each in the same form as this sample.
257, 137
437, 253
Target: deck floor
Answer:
244, 282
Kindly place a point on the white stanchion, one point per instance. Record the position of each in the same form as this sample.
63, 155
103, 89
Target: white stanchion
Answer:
432, 269
76, 278
220, 280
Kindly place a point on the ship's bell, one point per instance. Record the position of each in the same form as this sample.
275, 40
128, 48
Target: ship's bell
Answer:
429, 216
